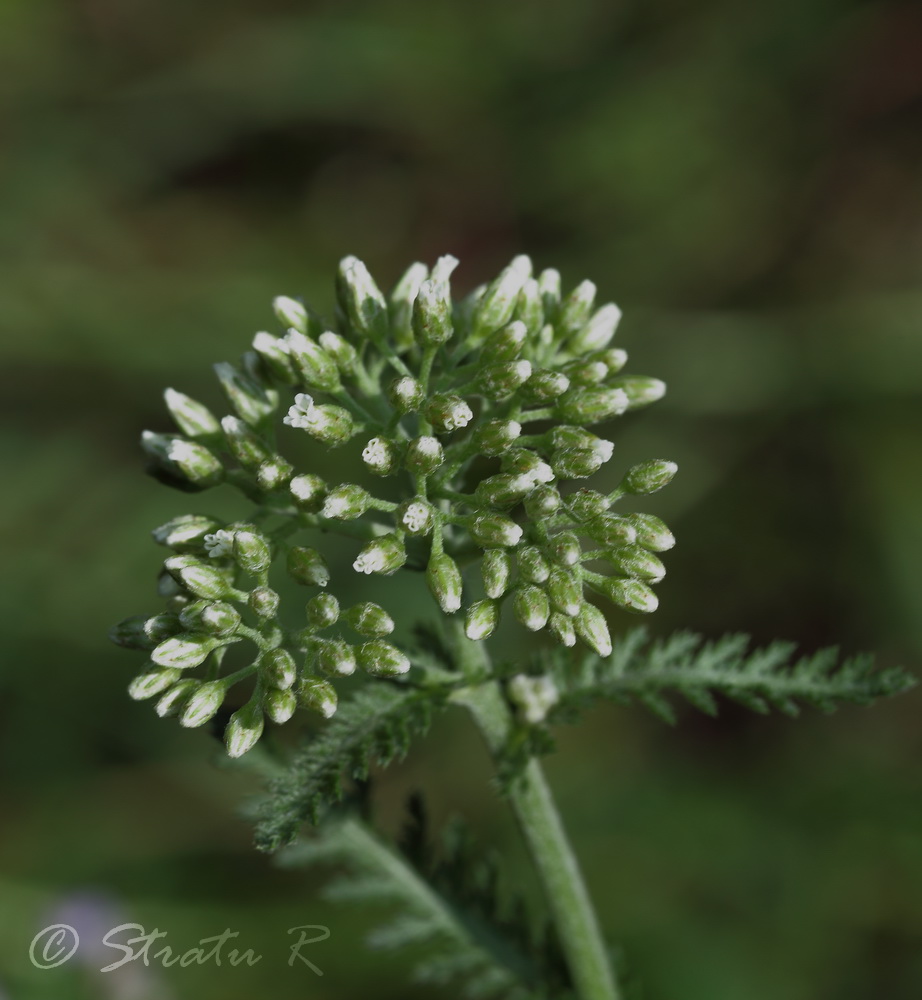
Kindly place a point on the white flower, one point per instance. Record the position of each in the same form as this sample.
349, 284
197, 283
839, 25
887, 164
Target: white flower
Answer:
541, 473
535, 696
416, 517
219, 543
369, 561
459, 415
182, 451
604, 449
375, 453
264, 342
302, 413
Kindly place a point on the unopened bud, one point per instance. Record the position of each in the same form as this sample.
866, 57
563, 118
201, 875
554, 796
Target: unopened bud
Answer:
275, 357
278, 667
504, 490
652, 533
597, 332
251, 401
273, 473
495, 530
401, 304
191, 417
592, 405
184, 651
500, 380
339, 349
448, 412
611, 530
424, 455
565, 591
528, 463
561, 626
197, 577
308, 491
533, 567
481, 619
189, 462
280, 705
444, 580
543, 385
405, 394
637, 562
493, 437
576, 309
565, 549
528, 309
290, 313
648, 477
317, 368
251, 551
370, 620
185, 532
586, 504
330, 424
632, 595
214, 617
248, 448
381, 659
361, 300
244, 729
142, 632
335, 657
263, 602
576, 463
584, 373
203, 704
496, 571
151, 684
640, 389
322, 611
543, 502
346, 502
176, 697
307, 566
549, 290
592, 628
319, 696
498, 302
384, 555
504, 345
531, 607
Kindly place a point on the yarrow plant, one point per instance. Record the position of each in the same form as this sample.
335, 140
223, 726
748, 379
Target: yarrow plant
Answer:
478, 423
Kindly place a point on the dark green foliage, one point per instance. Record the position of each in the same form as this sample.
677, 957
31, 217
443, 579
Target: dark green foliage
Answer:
375, 726
448, 899
684, 664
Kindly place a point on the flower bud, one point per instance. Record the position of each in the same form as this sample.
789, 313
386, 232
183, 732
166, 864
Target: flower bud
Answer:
334, 657
565, 549
637, 562
543, 502
361, 300
244, 729
592, 405
380, 456
632, 595
308, 491
381, 659
504, 490
415, 517
330, 424
504, 345
640, 389
405, 394
565, 591
543, 385
592, 628
424, 455
176, 697
147, 685
481, 619
531, 607
251, 551
444, 580
496, 570
186, 531
401, 304
263, 602
576, 463
549, 290
561, 626
597, 332
500, 380
203, 704
498, 302
142, 632
576, 309
533, 567
494, 436
528, 463
273, 351
214, 617
587, 504
290, 313
322, 611
220, 544
307, 566
280, 705
339, 349
198, 578
614, 359
184, 651
652, 534
191, 417
583, 373
611, 530
191, 463
533, 696
567, 436
432, 319
528, 309
370, 620
448, 412
648, 477
251, 401
384, 555
319, 696
247, 448
278, 667
495, 530
273, 473
346, 502
316, 367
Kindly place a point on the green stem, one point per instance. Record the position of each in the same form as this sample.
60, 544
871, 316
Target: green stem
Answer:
539, 821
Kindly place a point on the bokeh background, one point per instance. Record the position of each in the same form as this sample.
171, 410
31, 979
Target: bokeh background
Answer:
744, 179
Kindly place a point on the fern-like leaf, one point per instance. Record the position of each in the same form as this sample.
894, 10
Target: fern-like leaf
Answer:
685, 665
375, 726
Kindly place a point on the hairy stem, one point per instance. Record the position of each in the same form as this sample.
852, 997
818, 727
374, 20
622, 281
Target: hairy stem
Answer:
539, 821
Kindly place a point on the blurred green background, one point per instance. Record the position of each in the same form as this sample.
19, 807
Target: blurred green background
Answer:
744, 179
